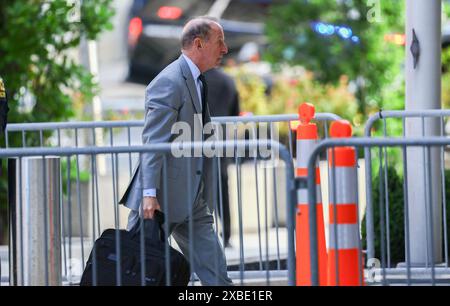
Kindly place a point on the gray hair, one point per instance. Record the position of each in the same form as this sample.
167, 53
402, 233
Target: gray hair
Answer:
196, 27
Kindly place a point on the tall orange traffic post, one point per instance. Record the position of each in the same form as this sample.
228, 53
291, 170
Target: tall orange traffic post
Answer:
344, 254
306, 142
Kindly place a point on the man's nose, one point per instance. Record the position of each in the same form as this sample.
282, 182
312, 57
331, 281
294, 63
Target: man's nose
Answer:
225, 48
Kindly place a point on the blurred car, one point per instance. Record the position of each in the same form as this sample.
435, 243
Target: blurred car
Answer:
155, 27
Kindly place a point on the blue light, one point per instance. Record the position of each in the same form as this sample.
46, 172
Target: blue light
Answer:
324, 29
330, 29
321, 28
345, 33
355, 39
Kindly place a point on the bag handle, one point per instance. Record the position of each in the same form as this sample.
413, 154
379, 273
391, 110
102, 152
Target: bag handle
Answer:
153, 229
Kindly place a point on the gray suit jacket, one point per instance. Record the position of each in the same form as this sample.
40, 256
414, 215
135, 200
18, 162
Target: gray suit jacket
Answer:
171, 97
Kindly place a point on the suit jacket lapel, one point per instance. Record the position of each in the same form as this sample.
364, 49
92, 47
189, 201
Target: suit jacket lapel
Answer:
190, 84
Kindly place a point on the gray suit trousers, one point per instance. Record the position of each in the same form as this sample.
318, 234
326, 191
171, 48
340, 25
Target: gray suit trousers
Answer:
208, 258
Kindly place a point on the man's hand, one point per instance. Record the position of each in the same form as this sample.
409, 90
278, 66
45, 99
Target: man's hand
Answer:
150, 204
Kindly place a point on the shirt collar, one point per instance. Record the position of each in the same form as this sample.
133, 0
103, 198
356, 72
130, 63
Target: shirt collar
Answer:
194, 69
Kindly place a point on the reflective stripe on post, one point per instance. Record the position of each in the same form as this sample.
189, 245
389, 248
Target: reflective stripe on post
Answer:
344, 254
306, 142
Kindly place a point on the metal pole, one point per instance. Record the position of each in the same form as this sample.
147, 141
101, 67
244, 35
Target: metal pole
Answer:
89, 60
423, 91
37, 245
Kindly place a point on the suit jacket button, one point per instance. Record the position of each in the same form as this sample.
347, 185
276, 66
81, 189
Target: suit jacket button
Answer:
199, 172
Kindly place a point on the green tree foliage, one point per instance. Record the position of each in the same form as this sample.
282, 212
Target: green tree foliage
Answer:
38, 51
446, 8
34, 59
290, 87
372, 63
446, 78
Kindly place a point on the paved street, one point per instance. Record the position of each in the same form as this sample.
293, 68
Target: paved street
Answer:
116, 93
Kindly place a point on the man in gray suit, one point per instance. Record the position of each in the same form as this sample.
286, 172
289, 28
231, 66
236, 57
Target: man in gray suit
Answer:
178, 95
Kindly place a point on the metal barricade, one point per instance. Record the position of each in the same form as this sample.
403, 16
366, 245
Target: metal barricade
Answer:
76, 250
378, 270
418, 123
261, 184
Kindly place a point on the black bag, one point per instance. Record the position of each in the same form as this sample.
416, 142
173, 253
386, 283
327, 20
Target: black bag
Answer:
130, 259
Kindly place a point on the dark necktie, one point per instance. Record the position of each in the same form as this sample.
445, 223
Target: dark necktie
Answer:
204, 95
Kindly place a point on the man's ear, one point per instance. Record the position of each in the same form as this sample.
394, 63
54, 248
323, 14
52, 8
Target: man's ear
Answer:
198, 43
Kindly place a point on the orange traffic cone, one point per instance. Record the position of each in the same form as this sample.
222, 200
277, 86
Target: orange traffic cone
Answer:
344, 254
306, 142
